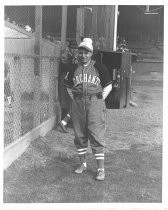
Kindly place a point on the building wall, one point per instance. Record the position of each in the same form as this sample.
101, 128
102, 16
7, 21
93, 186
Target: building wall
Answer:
134, 25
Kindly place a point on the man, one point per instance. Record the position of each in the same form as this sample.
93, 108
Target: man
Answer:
88, 85
67, 59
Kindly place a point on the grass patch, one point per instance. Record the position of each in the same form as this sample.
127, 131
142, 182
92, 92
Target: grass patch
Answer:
128, 179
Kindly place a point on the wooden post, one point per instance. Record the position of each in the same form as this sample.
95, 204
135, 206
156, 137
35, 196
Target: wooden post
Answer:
94, 23
107, 25
111, 26
51, 88
17, 98
64, 27
80, 24
115, 28
57, 108
37, 63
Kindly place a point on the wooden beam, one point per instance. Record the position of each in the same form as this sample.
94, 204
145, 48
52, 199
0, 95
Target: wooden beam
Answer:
79, 24
111, 26
37, 63
94, 23
115, 28
64, 27
17, 98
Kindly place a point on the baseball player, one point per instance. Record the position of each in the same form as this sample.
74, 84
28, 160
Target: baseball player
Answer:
88, 85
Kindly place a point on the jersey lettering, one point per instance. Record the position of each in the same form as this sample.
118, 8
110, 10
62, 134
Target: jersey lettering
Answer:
97, 81
85, 78
89, 79
93, 80
80, 79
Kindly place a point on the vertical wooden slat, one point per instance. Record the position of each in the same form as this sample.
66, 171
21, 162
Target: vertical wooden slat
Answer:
79, 24
37, 63
51, 88
111, 27
94, 23
56, 76
64, 27
17, 98
114, 45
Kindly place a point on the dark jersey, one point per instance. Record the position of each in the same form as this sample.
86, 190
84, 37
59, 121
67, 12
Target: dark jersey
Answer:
87, 80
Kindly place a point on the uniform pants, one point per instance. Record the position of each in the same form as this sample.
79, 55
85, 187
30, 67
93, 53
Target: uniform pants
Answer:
88, 118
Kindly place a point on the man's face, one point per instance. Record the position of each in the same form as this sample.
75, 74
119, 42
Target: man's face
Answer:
84, 55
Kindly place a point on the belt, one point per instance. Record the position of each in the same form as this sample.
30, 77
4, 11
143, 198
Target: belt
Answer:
89, 96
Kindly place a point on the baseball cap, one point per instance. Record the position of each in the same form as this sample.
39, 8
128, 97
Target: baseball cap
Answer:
87, 44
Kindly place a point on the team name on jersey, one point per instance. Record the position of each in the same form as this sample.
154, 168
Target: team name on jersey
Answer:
81, 78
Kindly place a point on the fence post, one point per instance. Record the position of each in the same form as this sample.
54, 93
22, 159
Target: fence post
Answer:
94, 23
57, 108
51, 88
56, 78
111, 26
64, 26
17, 99
37, 64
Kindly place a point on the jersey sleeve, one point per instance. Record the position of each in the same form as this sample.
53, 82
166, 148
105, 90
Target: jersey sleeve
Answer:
105, 77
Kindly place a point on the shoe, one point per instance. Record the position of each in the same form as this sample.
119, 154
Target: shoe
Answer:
100, 175
80, 169
63, 127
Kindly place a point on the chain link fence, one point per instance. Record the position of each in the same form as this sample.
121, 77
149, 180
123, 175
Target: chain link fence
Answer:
29, 99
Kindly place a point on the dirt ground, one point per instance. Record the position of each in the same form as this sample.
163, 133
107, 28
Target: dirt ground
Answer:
133, 161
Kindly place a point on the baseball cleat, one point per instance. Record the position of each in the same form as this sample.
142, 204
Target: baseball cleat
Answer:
100, 175
80, 169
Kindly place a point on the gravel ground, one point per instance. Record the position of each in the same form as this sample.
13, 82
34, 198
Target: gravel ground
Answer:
133, 155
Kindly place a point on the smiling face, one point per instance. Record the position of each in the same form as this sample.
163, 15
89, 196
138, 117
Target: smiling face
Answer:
84, 55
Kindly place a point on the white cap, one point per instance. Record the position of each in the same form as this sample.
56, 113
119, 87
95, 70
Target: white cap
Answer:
87, 44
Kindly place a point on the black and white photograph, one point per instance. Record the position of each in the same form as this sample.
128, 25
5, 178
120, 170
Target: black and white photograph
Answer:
83, 105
